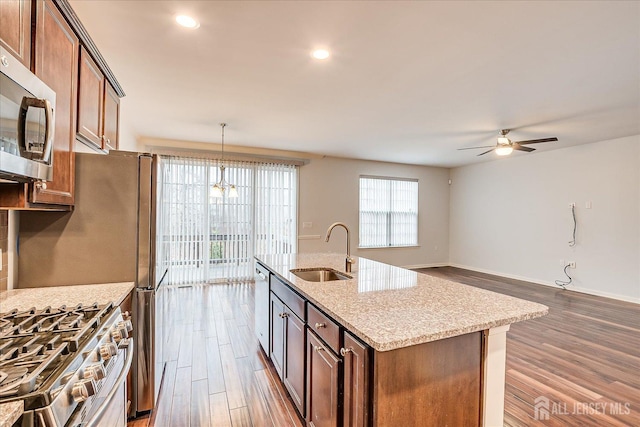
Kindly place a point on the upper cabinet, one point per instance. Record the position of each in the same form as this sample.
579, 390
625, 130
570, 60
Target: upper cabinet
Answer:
90, 101
98, 107
48, 37
15, 29
56, 64
111, 122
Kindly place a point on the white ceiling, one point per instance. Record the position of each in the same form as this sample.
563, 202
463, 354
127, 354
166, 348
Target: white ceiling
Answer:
407, 82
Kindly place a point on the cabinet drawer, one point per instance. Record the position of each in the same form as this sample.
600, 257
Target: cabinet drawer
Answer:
289, 297
326, 328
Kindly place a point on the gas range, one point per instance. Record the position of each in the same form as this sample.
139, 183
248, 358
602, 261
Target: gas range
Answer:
65, 363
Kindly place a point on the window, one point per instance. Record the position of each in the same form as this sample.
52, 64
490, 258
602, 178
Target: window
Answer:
203, 239
388, 212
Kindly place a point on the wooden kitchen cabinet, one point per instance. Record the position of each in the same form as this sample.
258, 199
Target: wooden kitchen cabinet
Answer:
56, 64
355, 381
111, 123
98, 107
323, 373
294, 364
288, 345
15, 29
350, 384
46, 36
277, 333
90, 101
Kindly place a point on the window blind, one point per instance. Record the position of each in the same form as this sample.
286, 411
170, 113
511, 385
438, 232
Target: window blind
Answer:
388, 212
204, 239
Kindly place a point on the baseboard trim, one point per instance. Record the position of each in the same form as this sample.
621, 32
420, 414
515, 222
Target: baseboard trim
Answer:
432, 265
550, 284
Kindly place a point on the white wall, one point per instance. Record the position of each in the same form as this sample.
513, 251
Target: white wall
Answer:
511, 217
329, 192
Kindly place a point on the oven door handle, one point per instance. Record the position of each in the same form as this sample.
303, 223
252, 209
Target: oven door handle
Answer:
95, 420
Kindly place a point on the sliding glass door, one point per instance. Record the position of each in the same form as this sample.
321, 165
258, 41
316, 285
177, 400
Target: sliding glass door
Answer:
203, 239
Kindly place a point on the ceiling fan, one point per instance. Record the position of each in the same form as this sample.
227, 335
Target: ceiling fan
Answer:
505, 146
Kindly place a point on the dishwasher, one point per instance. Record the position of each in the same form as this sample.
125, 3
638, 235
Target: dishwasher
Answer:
261, 298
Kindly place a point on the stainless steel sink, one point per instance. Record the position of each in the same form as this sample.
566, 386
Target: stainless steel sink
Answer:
320, 274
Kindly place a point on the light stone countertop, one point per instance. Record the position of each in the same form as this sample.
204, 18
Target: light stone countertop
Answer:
10, 412
55, 296
391, 307
24, 299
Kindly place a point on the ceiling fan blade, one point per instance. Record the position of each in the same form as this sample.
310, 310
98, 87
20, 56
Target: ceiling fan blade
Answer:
473, 148
521, 148
482, 154
536, 141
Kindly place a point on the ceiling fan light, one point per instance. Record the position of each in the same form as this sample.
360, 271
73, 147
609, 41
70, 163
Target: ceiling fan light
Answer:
504, 151
503, 140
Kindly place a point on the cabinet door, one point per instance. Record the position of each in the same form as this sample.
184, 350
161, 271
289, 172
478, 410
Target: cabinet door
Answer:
15, 29
277, 334
322, 384
56, 63
355, 382
90, 101
111, 118
294, 367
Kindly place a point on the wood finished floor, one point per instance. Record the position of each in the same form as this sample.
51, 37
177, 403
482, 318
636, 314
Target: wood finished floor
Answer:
587, 350
217, 374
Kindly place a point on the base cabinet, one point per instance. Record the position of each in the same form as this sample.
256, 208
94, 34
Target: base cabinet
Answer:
323, 374
288, 350
355, 381
335, 380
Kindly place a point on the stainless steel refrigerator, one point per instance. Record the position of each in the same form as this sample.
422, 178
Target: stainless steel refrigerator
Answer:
108, 237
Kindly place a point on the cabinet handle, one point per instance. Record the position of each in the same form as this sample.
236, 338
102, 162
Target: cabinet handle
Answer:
41, 185
344, 351
318, 348
283, 315
321, 325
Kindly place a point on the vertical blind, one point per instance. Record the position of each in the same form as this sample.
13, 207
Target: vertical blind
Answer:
204, 239
388, 212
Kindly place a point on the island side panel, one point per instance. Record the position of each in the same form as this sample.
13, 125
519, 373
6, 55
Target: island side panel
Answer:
494, 375
436, 384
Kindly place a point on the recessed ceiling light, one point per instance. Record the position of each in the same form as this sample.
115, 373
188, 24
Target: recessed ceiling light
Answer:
187, 21
320, 54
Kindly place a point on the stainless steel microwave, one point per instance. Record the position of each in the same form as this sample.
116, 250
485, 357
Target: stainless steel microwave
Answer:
27, 107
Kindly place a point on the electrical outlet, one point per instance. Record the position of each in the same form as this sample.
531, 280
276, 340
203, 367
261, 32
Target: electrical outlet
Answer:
572, 205
307, 224
572, 264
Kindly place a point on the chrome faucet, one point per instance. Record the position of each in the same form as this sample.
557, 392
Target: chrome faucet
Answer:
349, 261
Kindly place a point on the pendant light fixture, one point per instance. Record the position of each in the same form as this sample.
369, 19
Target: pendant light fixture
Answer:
221, 186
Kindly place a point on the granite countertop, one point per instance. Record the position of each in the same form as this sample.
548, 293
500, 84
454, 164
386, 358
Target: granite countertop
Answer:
391, 307
24, 299
55, 296
10, 412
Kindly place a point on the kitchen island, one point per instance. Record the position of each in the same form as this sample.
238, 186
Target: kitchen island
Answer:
433, 351
39, 298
